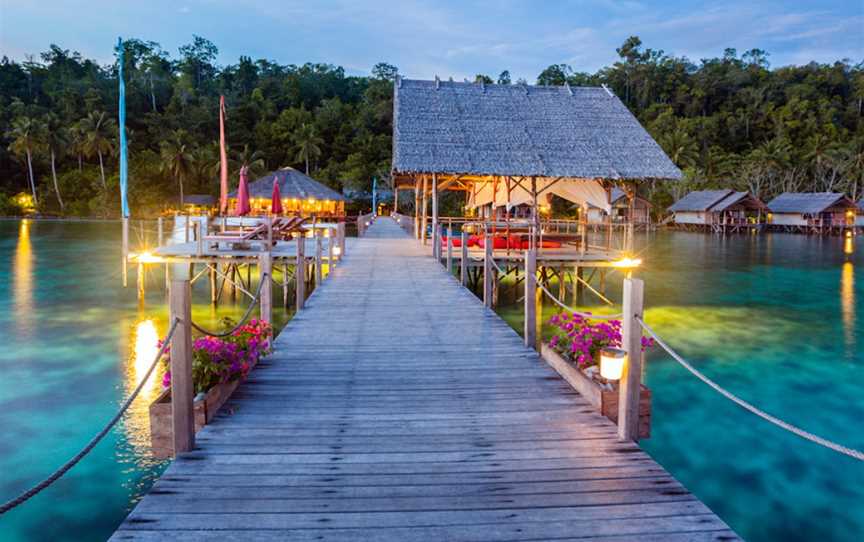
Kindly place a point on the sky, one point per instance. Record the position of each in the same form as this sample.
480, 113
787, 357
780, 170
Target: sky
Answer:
448, 38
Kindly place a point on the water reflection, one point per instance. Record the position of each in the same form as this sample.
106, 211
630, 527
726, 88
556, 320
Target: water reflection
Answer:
847, 306
23, 279
145, 338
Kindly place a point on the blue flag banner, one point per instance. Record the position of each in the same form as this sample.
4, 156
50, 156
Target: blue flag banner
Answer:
124, 165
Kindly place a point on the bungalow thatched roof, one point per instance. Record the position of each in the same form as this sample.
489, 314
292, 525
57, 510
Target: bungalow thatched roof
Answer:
292, 185
700, 200
807, 202
736, 198
520, 130
199, 199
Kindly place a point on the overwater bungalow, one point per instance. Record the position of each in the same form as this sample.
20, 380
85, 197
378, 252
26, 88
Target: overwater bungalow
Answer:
199, 204
812, 212
512, 145
621, 210
721, 211
300, 195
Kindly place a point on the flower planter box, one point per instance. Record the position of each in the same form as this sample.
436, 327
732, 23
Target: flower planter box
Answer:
204, 410
606, 401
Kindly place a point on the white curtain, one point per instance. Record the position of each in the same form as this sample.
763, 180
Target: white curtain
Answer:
575, 190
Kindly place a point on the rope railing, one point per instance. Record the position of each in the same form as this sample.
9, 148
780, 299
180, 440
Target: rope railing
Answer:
33, 491
839, 448
242, 321
574, 311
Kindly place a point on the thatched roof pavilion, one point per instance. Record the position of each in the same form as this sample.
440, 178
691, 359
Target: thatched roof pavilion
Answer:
300, 194
507, 144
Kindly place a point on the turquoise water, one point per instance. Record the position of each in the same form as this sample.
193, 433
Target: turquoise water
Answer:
778, 320
74, 344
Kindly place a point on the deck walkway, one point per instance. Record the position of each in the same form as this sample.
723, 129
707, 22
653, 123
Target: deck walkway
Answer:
398, 408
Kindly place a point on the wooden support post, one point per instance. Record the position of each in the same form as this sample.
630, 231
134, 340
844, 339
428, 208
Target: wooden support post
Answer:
300, 271
269, 234
160, 231
125, 250
425, 212
531, 298
330, 251
360, 225
580, 286
182, 391
436, 234
285, 285
631, 379
265, 266
233, 281
487, 270
340, 229
416, 209
395, 198
463, 261
141, 281
450, 251
319, 258
199, 238
213, 283
186, 225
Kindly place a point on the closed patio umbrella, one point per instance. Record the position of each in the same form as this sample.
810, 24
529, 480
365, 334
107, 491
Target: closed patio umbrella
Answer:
243, 207
276, 198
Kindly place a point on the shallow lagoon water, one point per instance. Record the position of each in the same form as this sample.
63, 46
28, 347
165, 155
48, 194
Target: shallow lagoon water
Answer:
777, 319
74, 345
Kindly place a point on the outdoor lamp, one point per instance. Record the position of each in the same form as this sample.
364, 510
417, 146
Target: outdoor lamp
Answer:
612, 363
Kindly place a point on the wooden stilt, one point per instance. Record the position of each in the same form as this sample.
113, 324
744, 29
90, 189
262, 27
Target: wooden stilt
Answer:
212, 283
265, 266
300, 272
285, 285
424, 218
530, 331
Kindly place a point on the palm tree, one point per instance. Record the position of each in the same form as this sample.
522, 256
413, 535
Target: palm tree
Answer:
307, 144
76, 143
27, 135
56, 140
680, 147
253, 160
177, 158
98, 130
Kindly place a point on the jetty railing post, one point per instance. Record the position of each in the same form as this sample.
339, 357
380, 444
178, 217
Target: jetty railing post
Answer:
182, 391
630, 384
436, 233
125, 250
265, 265
463, 262
199, 238
160, 231
300, 271
340, 230
319, 257
450, 250
330, 239
487, 270
531, 298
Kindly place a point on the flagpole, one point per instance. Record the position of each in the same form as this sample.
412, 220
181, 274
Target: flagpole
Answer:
124, 166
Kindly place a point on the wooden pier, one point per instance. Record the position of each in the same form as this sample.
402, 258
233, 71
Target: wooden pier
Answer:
396, 407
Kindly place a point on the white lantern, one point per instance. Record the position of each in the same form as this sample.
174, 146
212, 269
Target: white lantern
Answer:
612, 362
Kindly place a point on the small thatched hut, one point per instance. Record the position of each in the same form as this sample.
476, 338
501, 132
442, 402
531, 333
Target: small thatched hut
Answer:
300, 194
718, 210
812, 212
507, 145
621, 211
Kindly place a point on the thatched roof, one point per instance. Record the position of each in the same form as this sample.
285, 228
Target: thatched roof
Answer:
292, 185
700, 200
807, 202
199, 199
736, 198
521, 130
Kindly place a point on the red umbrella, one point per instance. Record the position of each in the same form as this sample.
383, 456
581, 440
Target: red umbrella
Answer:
276, 198
243, 207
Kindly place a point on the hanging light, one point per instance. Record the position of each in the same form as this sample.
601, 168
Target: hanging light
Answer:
612, 362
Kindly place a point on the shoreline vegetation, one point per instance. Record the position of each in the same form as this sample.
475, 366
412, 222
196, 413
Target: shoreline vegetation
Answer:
732, 121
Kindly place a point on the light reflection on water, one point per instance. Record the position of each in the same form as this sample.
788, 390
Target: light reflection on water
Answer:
847, 304
23, 278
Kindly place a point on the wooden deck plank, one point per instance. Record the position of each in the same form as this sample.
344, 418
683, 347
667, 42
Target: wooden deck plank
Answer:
397, 408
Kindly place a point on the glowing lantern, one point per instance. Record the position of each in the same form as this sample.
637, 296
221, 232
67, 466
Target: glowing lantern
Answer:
612, 362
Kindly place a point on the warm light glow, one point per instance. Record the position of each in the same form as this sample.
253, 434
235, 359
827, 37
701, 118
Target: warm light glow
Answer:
22, 277
146, 257
848, 245
626, 263
25, 202
146, 347
337, 251
612, 363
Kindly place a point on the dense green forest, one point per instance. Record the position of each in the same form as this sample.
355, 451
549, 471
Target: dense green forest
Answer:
731, 121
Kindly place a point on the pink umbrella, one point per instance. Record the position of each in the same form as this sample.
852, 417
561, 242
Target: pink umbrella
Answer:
276, 198
243, 207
